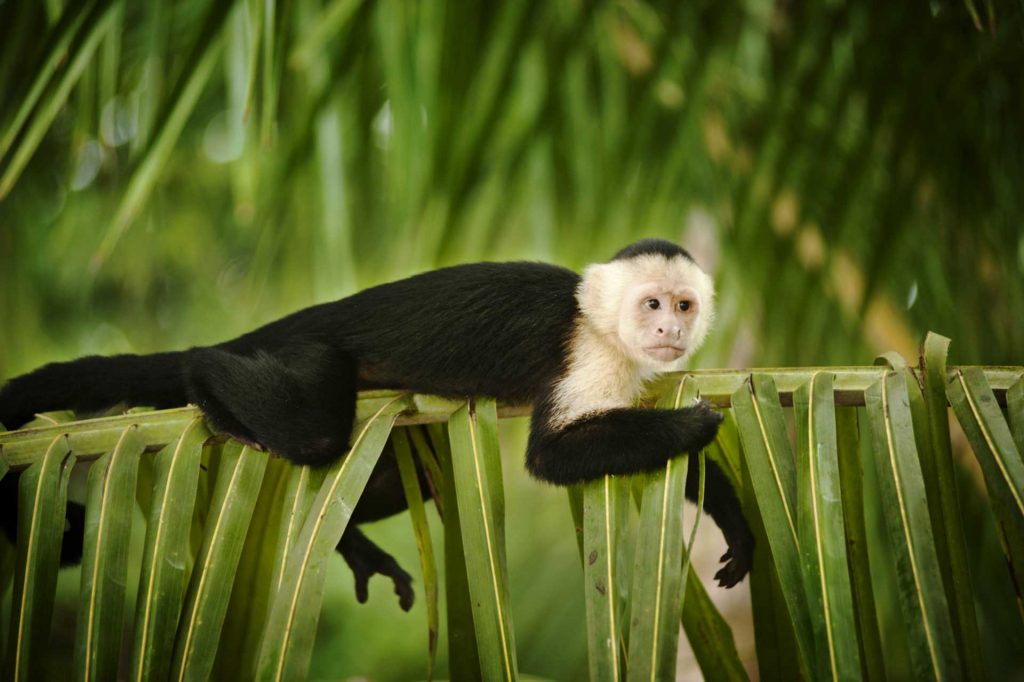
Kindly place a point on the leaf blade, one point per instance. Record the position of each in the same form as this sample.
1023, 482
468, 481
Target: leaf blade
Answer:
162, 581
922, 598
603, 504
234, 497
463, 652
822, 532
994, 447
181, 103
108, 524
656, 595
946, 511
40, 532
478, 493
51, 106
288, 639
851, 479
418, 516
769, 459
60, 40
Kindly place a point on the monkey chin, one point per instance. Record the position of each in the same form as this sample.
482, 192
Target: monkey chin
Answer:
665, 354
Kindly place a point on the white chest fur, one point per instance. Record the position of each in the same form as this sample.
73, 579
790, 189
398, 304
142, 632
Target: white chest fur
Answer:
599, 378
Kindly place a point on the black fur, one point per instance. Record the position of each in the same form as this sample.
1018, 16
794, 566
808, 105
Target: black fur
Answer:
659, 247
621, 441
74, 524
94, 383
488, 329
296, 390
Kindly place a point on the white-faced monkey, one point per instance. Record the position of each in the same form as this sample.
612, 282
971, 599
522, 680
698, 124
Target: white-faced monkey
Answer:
580, 348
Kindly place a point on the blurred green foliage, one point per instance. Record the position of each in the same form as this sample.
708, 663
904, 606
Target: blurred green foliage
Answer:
178, 173
847, 161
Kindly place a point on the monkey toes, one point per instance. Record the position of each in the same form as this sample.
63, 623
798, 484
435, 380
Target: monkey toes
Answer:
364, 568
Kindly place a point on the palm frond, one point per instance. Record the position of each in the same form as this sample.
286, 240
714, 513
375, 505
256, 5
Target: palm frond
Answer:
248, 594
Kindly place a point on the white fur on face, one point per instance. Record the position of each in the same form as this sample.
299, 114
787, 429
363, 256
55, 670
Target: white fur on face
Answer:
621, 342
611, 295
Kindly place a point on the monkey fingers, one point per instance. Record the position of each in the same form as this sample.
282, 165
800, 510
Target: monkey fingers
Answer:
735, 569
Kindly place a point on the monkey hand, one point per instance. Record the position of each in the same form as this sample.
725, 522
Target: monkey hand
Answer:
705, 421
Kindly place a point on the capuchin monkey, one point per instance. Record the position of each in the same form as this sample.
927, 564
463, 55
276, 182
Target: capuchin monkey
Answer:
580, 348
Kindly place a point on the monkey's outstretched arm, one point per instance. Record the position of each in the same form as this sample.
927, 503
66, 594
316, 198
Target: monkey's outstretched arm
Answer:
626, 441
618, 441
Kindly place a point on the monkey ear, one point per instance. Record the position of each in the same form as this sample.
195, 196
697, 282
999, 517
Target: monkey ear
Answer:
589, 292
599, 295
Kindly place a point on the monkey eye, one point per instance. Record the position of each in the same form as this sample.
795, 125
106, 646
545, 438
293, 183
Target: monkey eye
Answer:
652, 303
684, 305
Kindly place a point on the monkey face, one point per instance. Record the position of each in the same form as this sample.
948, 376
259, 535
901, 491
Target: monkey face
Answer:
657, 320
657, 310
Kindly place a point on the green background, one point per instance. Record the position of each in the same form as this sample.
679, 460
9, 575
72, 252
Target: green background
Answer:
851, 173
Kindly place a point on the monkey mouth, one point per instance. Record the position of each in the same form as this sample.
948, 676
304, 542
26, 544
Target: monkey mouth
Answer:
666, 353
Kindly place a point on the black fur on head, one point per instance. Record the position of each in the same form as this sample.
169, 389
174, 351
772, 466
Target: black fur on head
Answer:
661, 247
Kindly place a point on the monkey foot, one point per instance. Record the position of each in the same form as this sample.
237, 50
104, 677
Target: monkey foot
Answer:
366, 560
388, 567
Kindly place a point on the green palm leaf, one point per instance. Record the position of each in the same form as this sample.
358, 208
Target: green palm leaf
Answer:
112, 480
476, 466
291, 627
851, 476
922, 598
944, 503
256, 579
248, 602
41, 499
658, 574
822, 532
605, 504
769, 457
96, 24
995, 448
463, 652
239, 476
164, 561
418, 515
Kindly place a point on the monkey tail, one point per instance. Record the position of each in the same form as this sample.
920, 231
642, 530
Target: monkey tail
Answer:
95, 383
